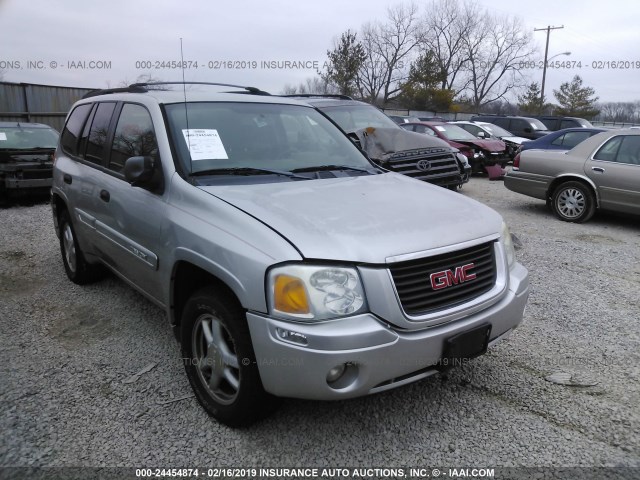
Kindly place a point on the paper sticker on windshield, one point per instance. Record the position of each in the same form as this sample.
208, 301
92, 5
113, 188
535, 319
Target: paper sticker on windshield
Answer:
439, 128
3, 136
204, 144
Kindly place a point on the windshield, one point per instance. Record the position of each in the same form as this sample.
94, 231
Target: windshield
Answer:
25, 138
234, 135
454, 132
355, 117
497, 131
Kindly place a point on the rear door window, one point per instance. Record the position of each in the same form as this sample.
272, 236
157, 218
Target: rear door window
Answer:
97, 140
73, 128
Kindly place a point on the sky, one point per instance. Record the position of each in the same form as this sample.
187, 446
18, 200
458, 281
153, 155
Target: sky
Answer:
84, 43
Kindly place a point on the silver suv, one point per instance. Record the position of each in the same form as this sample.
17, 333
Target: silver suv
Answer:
287, 263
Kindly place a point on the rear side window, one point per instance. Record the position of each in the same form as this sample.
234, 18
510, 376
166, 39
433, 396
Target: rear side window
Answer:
519, 125
134, 136
72, 129
99, 131
550, 123
571, 139
629, 151
501, 122
609, 150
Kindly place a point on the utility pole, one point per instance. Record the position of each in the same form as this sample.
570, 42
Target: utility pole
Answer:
544, 66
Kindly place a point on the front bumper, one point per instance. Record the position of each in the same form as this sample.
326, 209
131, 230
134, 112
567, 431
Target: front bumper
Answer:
25, 176
379, 357
22, 184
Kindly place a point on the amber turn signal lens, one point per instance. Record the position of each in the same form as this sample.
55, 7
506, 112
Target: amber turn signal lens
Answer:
290, 296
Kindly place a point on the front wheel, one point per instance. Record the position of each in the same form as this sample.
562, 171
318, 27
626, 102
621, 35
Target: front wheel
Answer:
573, 202
220, 362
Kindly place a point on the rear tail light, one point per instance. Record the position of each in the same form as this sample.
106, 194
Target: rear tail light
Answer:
516, 162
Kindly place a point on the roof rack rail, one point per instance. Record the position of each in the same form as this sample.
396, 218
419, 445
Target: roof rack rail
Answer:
142, 88
104, 91
320, 95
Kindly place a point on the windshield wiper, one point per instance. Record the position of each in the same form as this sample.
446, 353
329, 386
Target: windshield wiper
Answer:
331, 167
248, 171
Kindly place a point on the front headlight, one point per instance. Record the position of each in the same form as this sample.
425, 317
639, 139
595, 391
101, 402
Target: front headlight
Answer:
507, 244
464, 161
310, 293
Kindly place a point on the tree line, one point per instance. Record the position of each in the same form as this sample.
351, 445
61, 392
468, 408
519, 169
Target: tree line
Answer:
452, 56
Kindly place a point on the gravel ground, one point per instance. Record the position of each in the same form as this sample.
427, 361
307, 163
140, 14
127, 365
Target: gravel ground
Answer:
68, 354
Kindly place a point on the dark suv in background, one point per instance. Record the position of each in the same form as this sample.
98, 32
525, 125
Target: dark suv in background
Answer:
526, 127
390, 146
26, 158
554, 123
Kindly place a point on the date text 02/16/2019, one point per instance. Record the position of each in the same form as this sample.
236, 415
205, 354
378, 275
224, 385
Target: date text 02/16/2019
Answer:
580, 65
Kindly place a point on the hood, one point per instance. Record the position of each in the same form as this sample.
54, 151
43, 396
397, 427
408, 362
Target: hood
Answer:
489, 145
381, 143
459, 146
514, 139
363, 219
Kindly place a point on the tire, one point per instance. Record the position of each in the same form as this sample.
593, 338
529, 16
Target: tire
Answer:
225, 379
573, 202
77, 268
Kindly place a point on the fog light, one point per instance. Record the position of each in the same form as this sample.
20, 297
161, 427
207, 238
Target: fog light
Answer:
335, 373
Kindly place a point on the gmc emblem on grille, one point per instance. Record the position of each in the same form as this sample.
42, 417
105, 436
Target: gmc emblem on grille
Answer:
447, 278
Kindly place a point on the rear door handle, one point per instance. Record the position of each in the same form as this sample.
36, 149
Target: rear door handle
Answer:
598, 169
67, 178
104, 195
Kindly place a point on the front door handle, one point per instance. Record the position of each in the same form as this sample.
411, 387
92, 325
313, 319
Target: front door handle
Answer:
104, 195
598, 169
67, 178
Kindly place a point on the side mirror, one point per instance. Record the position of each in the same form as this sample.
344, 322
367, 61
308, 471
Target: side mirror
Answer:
142, 172
481, 134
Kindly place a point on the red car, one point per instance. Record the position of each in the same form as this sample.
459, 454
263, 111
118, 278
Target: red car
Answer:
480, 152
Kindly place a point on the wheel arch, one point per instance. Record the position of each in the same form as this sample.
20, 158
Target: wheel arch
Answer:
58, 205
571, 177
186, 279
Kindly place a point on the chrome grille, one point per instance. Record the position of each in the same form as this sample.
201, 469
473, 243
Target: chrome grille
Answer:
413, 279
443, 166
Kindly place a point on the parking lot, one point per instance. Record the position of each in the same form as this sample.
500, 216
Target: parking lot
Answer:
91, 376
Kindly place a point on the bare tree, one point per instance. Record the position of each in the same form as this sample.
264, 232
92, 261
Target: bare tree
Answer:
143, 78
444, 28
370, 76
496, 49
619, 111
311, 85
388, 48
